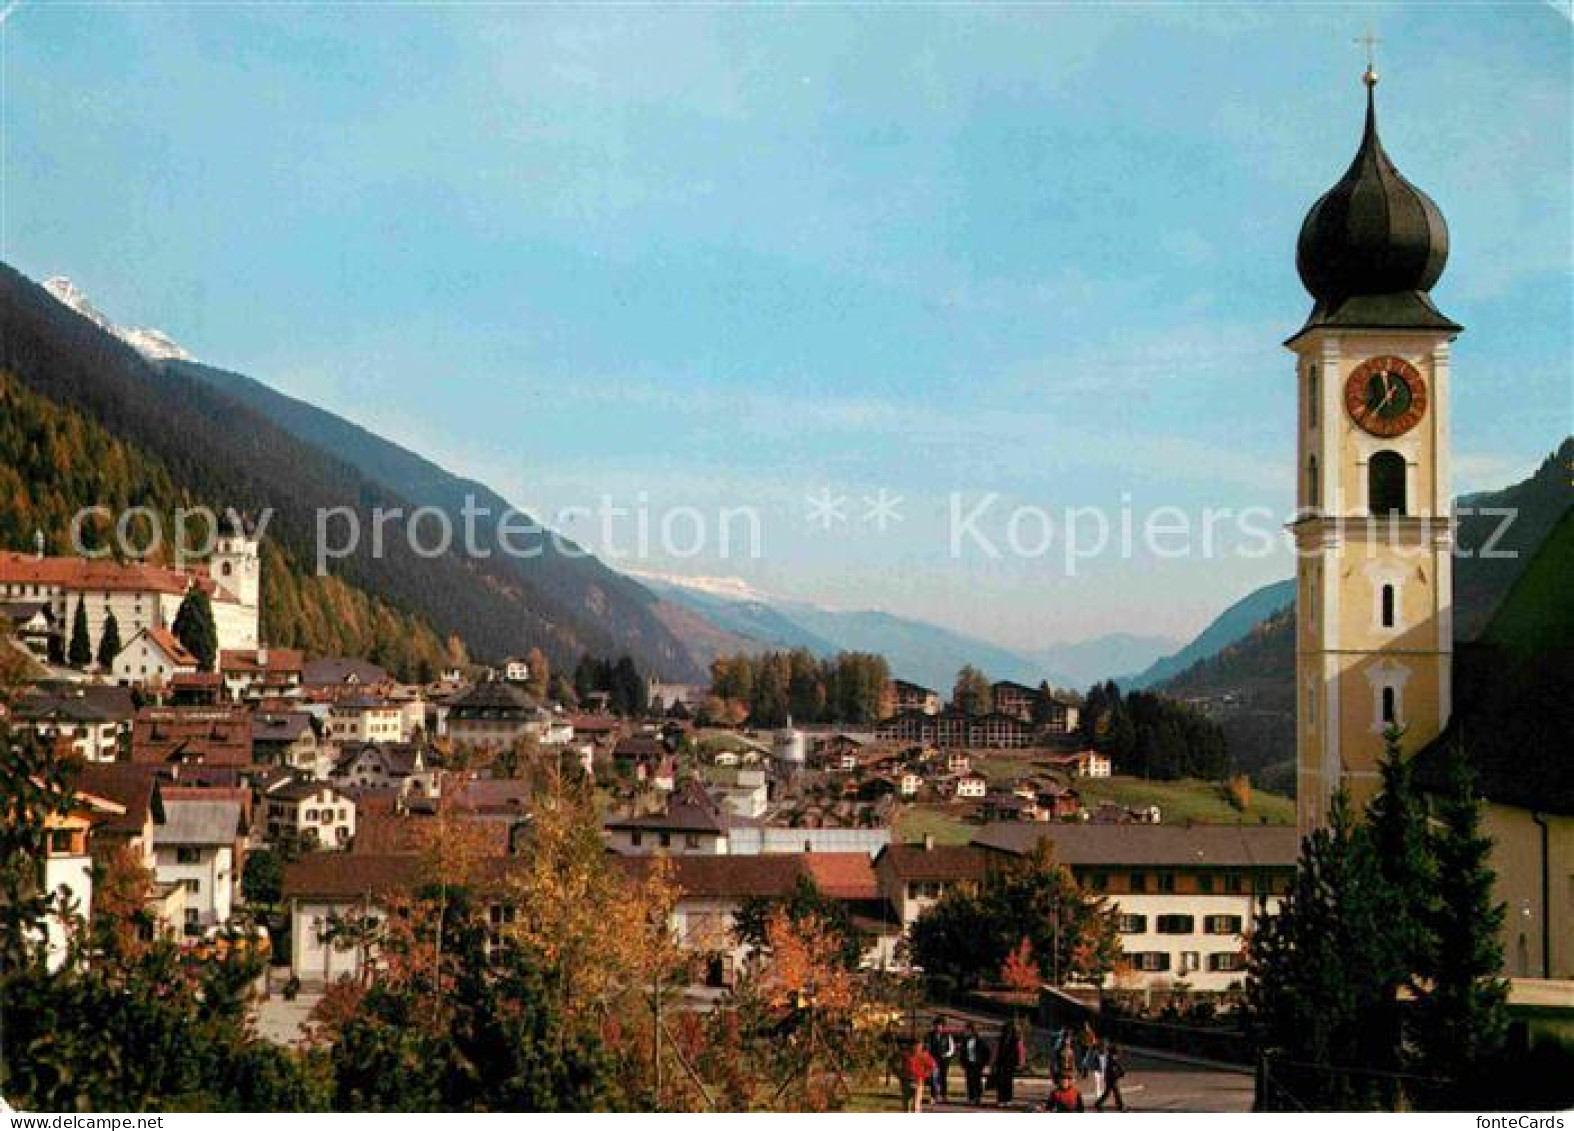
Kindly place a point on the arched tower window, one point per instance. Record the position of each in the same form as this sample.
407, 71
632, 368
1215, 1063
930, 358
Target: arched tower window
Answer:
1390, 705
1311, 397
1385, 484
1388, 606
1312, 499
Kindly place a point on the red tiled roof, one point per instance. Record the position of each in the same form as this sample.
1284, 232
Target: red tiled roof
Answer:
218, 736
843, 875
101, 575
281, 660
170, 644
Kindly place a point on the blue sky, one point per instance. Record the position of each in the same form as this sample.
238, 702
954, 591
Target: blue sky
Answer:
721, 256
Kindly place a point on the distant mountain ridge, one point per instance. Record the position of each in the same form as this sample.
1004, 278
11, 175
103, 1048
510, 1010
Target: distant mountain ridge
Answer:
917, 650
1233, 624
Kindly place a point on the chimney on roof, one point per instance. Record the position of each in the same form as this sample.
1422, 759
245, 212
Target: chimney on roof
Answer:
262, 655
929, 842
38, 545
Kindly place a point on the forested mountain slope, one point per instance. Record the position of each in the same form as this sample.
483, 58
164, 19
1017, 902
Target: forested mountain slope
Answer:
217, 450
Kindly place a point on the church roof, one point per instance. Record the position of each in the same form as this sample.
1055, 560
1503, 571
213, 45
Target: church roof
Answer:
1374, 245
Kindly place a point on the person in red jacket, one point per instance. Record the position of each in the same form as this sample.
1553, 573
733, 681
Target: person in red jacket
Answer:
917, 1069
1065, 1097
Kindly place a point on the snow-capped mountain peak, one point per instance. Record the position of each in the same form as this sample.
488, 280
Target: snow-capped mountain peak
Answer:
155, 345
728, 588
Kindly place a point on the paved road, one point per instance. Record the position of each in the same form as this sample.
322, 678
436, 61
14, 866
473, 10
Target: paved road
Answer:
1151, 1084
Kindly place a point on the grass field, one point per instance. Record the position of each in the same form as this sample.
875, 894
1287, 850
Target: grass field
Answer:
1188, 800
1199, 802
918, 821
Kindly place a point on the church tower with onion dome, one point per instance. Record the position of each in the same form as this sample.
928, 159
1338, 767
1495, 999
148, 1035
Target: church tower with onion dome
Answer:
1374, 530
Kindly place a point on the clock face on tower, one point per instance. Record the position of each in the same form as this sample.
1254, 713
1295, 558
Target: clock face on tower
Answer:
1386, 396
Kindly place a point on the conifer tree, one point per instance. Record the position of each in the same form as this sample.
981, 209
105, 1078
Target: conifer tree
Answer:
1397, 824
1462, 1006
109, 642
80, 651
195, 629
1316, 975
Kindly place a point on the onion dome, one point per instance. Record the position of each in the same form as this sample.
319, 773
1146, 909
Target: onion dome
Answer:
1373, 247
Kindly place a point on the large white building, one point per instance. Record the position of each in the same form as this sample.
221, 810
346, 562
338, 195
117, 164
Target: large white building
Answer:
142, 597
1186, 897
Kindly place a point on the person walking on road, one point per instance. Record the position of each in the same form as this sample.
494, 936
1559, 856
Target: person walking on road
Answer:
974, 1055
1114, 1071
1010, 1055
918, 1068
942, 1047
1093, 1067
1065, 1097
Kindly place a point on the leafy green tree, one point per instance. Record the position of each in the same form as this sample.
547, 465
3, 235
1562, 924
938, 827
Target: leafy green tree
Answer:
965, 938
196, 630
109, 642
80, 651
1461, 1006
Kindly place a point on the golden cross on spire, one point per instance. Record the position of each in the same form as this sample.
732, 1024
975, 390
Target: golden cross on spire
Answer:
1370, 42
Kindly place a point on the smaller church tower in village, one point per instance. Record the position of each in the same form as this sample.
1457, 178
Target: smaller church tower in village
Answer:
1374, 533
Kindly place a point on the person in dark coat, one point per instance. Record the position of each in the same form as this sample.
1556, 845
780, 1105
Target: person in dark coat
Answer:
941, 1046
1010, 1055
974, 1055
1114, 1072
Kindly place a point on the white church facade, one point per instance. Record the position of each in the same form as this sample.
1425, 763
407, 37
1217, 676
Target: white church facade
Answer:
144, 598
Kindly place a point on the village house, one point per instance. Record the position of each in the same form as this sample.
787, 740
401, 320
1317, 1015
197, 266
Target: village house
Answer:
289, 739
971, 786
137, 790
914, 876
255, 673
67, 864
206, 736
1082, 764
901, 697
153, 657
92, 721
200, 846
493, 716
324, 891
365, 718
32, 624
516, 670
692, 824
402, 766
308, 815
1186, 897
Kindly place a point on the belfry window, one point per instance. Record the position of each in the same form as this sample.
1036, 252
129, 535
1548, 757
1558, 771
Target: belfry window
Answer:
1312, 498
1385, 484
1390, 706
1311, 397
1388, 606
